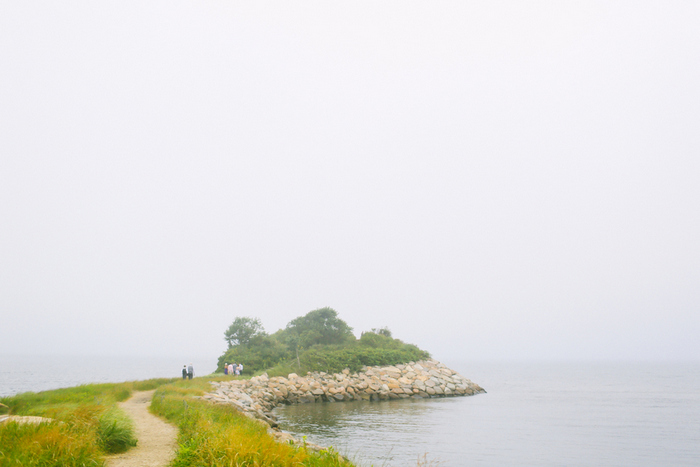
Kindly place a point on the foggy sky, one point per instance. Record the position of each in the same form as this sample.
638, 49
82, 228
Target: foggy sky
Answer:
490, 180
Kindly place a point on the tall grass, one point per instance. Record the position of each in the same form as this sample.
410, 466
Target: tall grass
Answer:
220, 436
48, 445
115, 431
88, 425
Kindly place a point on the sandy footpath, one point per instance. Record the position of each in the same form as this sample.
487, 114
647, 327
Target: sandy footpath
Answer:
157, 438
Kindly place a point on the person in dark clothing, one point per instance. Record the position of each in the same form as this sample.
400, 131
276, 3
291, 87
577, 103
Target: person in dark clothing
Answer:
184, 371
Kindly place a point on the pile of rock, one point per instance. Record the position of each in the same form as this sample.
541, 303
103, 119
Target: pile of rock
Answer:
258, 396
22, 420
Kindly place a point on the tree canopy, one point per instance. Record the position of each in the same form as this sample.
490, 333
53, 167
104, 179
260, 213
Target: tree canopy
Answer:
318, 327
243, 330
317, 341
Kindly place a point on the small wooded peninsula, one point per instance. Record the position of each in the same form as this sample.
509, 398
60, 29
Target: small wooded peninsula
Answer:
316, 358
225, 420
317, 341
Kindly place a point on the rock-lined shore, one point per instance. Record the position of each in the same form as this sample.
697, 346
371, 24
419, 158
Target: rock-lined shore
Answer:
258, 396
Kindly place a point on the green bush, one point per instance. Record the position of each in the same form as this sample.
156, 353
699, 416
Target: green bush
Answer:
336, 360
317, 341
115, 431
379, 341
261, 353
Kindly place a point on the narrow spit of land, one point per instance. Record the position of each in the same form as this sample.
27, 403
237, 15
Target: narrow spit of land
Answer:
156, 438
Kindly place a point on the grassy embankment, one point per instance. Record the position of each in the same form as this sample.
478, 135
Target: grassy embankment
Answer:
217, 435
89, 425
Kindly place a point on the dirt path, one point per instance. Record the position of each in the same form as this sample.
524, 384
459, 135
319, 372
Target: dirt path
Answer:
157, 444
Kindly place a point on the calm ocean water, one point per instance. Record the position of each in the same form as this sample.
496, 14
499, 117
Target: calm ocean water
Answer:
31, 373
534, 414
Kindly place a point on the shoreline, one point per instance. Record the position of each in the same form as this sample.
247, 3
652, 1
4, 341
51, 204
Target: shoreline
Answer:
258, 396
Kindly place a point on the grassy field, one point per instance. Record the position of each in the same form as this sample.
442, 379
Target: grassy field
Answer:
88, 425
219, 435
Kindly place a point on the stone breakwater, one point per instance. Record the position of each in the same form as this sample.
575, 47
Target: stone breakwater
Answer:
259, 395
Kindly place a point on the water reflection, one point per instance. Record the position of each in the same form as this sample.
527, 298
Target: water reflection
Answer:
535, 414
394, 432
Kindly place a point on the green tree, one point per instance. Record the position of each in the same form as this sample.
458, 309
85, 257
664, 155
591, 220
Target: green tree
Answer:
320, 326
243, 330
382, 331
260, 353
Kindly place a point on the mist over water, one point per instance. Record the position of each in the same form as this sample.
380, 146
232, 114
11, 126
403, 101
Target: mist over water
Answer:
524, 171
539, 414
34, 373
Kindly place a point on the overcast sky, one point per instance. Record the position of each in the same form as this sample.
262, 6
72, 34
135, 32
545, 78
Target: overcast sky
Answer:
490, 180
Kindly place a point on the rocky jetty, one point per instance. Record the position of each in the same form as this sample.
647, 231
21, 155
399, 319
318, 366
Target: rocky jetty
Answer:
259, 395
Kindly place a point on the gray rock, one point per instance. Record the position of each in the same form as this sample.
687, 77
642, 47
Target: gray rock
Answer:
258, 396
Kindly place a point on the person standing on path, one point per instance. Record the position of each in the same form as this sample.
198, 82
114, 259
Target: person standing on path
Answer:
184, 371
190, 371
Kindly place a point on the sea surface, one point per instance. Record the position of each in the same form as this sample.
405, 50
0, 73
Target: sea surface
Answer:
23, 373
534, 414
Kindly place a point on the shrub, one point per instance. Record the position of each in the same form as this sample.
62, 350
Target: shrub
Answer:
318, 341
261, 353
336, 360
115, 431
